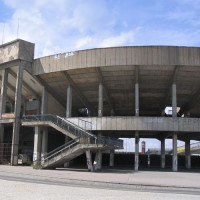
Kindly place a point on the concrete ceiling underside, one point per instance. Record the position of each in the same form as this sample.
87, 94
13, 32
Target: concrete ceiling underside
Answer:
119, 87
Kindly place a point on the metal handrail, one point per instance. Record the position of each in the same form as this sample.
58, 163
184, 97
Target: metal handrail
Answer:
83, 136
63, 123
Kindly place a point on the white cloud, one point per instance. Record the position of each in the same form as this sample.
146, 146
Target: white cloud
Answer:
125, 38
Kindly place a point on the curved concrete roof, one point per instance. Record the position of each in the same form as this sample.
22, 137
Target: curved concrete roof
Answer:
119, 56
158, 66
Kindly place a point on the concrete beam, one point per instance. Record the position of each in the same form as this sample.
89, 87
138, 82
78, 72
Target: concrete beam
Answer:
51, 91
107, 94
13, 74
25, 64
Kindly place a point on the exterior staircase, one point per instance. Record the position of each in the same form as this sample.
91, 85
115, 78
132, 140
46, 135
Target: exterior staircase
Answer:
82, 140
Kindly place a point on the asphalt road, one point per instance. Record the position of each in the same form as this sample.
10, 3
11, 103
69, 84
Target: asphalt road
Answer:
88, 185
20, 190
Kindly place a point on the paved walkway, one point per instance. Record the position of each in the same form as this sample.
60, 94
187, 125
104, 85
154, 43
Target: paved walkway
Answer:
188, 179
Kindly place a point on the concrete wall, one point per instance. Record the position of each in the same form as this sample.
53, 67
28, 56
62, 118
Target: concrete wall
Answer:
139, 123
15, 50
118, 56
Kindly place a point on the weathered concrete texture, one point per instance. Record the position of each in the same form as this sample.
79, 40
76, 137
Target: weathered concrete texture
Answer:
162, 153
17, 110
112, 158
136, 150
69, 102
3, 100
18, 49
142, 123
175, 157
37, 145
187, 154
118, 56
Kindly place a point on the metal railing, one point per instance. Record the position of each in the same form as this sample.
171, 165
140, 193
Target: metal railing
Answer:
82, 136
61, 122
193, 147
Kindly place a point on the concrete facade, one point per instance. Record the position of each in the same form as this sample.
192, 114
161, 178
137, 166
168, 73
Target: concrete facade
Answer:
117, 92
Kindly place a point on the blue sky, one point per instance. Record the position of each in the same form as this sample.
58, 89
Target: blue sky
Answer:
57, 26
63, 25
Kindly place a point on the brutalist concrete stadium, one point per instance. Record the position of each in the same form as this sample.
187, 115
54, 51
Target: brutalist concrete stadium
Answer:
91, 98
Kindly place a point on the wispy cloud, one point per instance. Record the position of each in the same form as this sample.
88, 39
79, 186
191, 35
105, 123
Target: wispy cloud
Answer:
65, 25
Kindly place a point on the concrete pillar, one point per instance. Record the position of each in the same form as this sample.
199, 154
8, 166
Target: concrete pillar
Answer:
187, 154
100, 106
136, 150
68, 113
69, 102
137, 93
44, 129
89, 161
44, 101
24, 106
3, 100
175, 157
162, 153
44, 141
98, 158
112, 154
174, 101
37, 145
17, 110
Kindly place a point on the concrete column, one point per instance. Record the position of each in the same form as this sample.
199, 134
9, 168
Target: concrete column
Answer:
17, 110
24, 106
100, 106
174, 101
112, 154
37, 145
69, 102
3, 100
68, 113
137, 92
175, 157
44, 129
136, 150
44, 141
89, 161
187, 154
98, 158
44, 101
162, 153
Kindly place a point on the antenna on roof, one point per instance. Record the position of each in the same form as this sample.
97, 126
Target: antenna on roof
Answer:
3, 32
18, 28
